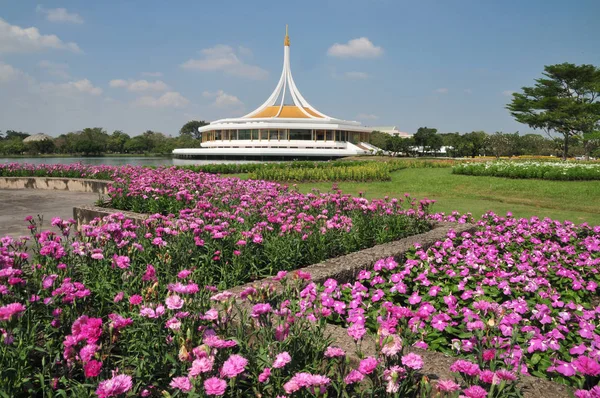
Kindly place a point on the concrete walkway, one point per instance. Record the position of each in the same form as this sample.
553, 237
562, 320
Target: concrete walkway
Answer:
16, 204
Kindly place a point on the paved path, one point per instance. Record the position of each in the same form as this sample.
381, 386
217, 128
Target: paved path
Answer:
16, 204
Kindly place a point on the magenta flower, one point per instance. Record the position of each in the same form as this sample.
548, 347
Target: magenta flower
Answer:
264, 376
281, 360
587, 366
367, 365
466, 367
115, 386
202, 365
475, 392
333, 352
354, 377
233, 366
181, 383
447, 386
92, 368
174, 302
10, 310
215, 386
412, 361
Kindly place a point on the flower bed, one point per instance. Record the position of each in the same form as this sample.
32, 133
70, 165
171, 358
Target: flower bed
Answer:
520, 291
75, 328
74, 170
542, 170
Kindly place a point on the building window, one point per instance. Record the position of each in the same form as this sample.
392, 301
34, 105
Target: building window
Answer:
304, 135
244, 134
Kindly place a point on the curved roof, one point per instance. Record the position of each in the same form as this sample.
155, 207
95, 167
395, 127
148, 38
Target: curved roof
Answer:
275, 110
38, 137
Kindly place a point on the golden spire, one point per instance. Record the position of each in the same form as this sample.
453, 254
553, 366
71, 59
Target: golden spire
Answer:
286, 41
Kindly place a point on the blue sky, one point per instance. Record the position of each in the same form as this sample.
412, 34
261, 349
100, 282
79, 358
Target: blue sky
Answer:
138, 65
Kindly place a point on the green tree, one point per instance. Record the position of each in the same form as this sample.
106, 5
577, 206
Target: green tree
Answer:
426, 139
501, 144
379, 139
535, 144
191, 128
116, 142
12, 134
565, 101
473, 143
90, 141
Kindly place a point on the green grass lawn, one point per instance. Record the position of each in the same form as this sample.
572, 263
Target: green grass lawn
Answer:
577, 201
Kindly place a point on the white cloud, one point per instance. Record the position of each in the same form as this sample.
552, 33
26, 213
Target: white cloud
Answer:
8, 73
356, 75
367, 116
55, 69
83, 86
442, 90
14, 39
508, 93
222, 99
152, 74
224, 58
468, 91
245, 51
60, 15
171, 99
355, 48
139, 85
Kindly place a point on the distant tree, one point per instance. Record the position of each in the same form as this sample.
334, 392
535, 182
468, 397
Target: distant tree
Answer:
535, 144
473, 143
137, 144
13, 146
565, 101
90, 141
501, 144
42, 146
379, 139
191, 128
116, 142
591, 142
426, 139
12, 134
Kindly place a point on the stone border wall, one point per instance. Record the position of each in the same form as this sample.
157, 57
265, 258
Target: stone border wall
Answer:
56, 183
86, 213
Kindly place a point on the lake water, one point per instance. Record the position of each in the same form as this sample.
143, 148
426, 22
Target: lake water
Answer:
118, 161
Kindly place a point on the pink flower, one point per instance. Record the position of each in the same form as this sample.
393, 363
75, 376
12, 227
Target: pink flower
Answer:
281, 360
260, 309
92, 368
115, 386
181, 383
233, 366
333, 352
119, 322
202, 365
357, 331
475, 392
264, 376
466, 367
118, 297
135, 299
367, 365
174, 302
447, 386
10, 310
587, 366
215, 386
412, 361
353, 377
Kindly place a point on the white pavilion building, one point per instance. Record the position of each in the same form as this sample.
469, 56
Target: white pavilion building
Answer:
281, 130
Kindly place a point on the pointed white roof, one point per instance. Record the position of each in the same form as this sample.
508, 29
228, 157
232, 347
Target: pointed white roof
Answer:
274, 112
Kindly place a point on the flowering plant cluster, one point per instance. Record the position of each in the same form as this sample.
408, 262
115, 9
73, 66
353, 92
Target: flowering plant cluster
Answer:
109, 329
74, 170
522, 292
531, 169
